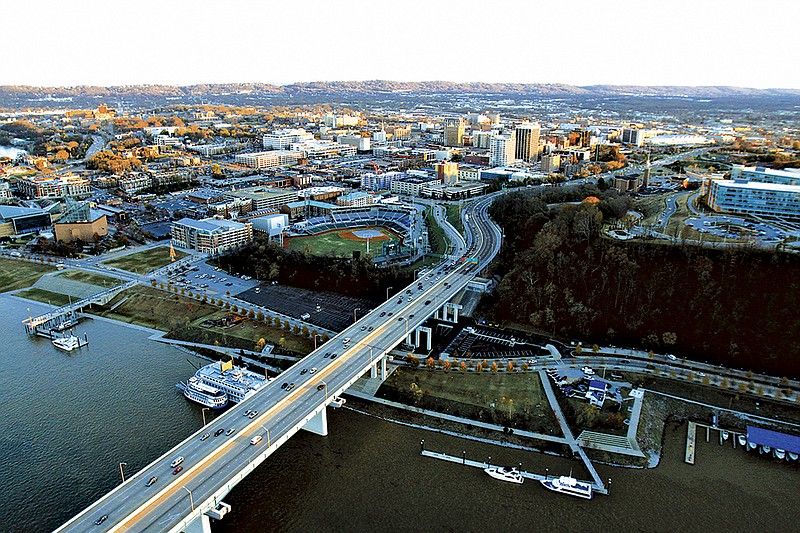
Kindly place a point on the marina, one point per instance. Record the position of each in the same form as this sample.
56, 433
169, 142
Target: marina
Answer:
767, 442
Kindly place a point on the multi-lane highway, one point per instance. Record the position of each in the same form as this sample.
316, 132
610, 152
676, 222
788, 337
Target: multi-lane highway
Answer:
213, 465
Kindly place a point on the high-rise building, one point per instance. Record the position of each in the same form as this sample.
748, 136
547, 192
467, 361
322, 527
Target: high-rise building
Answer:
502, 151
526, 139
454, 132
447, 172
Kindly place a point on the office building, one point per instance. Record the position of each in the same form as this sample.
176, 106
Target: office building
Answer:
447, 172
283, 139
271, 159
264, 198
210, 235
754, 198
355, 199
526, 142
766, 175
80, 222
502, 151
410, 185
454, 132
54, 186
20, 220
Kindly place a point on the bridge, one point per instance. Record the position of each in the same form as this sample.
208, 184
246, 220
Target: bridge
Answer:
185, 502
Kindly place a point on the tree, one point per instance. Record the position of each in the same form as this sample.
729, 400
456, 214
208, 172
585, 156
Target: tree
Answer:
260, 316
446, 365
479, 368
416, 393
595, 349
463, 366
706, 380
510, 366
304, 330
430, 364
578, 350
62, 155
524, 367
412, 361
494, 367
296, 329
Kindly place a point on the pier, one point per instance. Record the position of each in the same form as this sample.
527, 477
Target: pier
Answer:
482, 464
691, 438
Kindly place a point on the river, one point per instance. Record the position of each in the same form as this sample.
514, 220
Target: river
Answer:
72, 418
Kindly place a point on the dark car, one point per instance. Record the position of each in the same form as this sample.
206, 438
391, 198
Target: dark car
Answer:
327, 354
303, 371
101, 520
320, 386
427, 302
219, 432
177, 471
369, 328
333, 356
389, 313
411, 316
285, 384
383, 313
151, 481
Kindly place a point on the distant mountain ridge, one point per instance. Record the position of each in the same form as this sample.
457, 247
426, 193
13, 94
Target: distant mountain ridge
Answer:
386, 86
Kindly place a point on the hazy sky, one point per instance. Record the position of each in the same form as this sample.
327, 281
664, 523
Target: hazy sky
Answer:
581, 42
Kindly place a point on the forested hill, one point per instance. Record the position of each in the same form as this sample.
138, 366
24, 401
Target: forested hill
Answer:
734, 307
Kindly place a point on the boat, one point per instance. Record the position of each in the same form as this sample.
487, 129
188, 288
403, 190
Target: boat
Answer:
568, 485
767, 449
216, 384
779, 454
511, 475
67, 343
725, 435
751, 446
793, 456
742, 440
206, 395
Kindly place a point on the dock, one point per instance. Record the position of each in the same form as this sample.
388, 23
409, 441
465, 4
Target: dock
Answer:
691, 437
482, 464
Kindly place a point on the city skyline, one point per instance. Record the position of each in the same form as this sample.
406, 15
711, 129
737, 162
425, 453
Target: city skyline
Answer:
183, 43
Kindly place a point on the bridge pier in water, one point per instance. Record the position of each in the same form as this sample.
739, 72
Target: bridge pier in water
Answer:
318, 423
201, 524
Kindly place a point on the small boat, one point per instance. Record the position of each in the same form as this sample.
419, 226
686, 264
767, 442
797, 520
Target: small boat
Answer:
511, 475
67, 343
766, 448
568, 485
751, 446
725, 435
779, 454
793, 456
742, 440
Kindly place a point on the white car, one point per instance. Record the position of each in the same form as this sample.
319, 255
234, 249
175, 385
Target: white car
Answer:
588, 371
671, 357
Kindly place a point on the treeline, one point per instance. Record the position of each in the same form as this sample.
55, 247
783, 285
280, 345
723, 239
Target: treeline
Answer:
736, 307
360, 278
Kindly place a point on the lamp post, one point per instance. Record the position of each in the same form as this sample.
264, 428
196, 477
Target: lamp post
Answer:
315, 340
387, 292
204, 414
269, 443
355, 318
326, 390
121, 473
191, 498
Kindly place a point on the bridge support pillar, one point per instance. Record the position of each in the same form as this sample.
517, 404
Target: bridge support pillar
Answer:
318, 423
428, 337
201, 524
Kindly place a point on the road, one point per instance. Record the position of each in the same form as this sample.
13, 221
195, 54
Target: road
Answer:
210, 464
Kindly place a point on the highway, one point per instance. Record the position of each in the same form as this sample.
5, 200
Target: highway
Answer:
211, 464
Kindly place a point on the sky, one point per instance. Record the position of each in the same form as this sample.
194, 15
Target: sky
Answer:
580, 42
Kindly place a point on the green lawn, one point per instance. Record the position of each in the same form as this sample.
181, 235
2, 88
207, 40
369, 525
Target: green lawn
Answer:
41, 295
331, 243
90, 278
153, 308
454, 217
146, 260
20, 274
436, 237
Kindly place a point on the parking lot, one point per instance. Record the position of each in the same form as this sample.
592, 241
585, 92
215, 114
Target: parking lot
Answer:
325, 309
211, 281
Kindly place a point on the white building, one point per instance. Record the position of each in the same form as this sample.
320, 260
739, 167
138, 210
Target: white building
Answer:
411, 184
283, 139
54, 186
755, 198
208, 150
766, 175
361, 143
271, 159
210, 235
678, 140
502, 151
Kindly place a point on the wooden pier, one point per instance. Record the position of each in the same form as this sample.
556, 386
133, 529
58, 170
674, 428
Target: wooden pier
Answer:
691, 438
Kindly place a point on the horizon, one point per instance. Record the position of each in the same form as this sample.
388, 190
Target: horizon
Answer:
182, 43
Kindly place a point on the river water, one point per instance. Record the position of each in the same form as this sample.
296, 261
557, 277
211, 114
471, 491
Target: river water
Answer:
71, 418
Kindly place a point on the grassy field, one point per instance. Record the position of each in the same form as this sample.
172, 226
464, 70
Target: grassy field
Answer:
146, 260
41, 295
155, 309
333, 243
454, 217
20, 274
517, 397
90, 278
436, 237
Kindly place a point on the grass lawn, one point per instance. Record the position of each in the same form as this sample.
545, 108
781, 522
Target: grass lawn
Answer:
90, 278
454, 217
486, 396
333, 243
146, 306
20, 274
436, 236
146, 260
44, 296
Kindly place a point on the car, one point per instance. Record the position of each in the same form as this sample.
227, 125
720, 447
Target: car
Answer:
255, 440
671, 357
176, 462
290, 387
219, 432
410, 298
230, 432
427, 302
369, 328
304, 371
177, 471
588, 371
313, 370
320, 386
253, 415
389, 313
383, 313
151, 481
285, 384
333, 356
411, 316
205, 436
327, 354
101, 520
247, 413
399, 318
400, 301
363, 328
